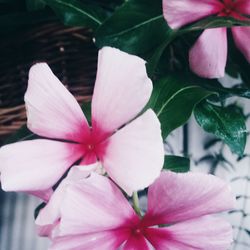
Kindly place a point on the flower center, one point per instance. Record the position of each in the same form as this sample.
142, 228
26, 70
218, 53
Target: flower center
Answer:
90, 147
137, 231
229, 8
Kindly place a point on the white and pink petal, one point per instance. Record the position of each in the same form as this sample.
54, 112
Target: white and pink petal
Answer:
36, 165
49, 216
134, 155
106, 240
208, 56
179, 13
186, 196
52, 111
204, 233
95, 205
121, 90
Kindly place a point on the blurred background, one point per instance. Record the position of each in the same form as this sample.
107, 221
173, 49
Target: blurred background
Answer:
29, 35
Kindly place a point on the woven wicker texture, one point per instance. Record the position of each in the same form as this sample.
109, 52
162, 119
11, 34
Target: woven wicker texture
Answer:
70, 53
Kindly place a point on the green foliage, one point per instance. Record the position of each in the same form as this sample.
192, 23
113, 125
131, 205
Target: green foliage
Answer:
176, 163
173, 101
35, 5
86, 108
226, 123
76, 13
136, 27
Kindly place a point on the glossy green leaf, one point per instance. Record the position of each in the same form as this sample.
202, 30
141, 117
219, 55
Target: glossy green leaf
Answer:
136, 27
156, 55
35, 5
176, 163
173, 102
226, 123
76, 13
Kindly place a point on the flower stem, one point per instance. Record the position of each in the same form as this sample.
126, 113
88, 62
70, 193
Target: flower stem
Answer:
136, 203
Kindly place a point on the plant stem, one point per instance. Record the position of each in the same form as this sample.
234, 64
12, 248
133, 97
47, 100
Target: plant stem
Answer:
136, 203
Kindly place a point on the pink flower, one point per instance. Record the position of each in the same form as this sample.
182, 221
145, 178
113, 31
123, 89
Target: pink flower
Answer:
208, 56
132, 155
95, 215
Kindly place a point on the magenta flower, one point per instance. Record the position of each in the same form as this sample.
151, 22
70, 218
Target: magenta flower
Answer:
95, 215
208, 56
132, 155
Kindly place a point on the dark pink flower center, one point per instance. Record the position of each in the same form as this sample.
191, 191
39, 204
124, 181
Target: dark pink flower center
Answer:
229, 8
137, 231
94, 146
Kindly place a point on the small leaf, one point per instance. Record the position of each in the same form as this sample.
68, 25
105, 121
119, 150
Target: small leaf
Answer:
226, 123
136, 27
173, 102
35, 5
86, 108
176, 163
75, 13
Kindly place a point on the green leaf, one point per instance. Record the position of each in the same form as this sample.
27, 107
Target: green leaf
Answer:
215, 22
75, 13
226, 123
136, 27
156, 56
176, 163
86, 108
35, 5
173, 101
215, 85
21, 135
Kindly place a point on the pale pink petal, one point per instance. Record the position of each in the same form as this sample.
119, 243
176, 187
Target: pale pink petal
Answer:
49, 216
181, 12
95, 205
186, 196
106, 240
241, 37
46, 230
35, 165
208, 56
204, 233
134, 155
44, 194
243, 6
136, 242
51, 110
121, 91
